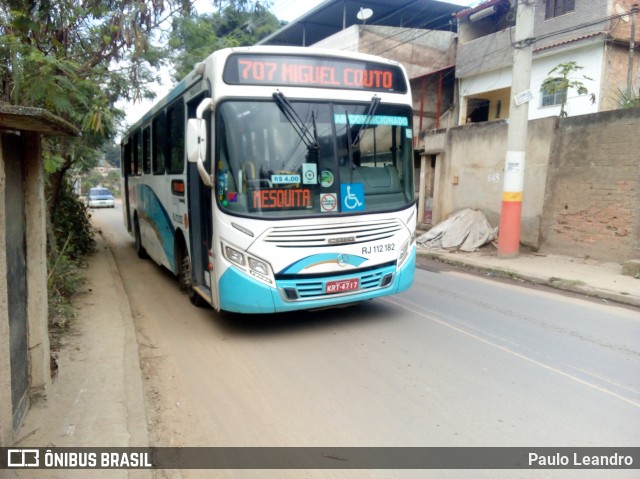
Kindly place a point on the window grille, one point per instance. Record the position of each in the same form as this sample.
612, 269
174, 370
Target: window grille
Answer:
555, 8
553, 94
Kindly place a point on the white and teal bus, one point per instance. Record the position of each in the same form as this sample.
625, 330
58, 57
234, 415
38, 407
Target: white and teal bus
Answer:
277, 179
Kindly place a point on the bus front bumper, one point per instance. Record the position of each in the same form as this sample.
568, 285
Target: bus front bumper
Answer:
242, 294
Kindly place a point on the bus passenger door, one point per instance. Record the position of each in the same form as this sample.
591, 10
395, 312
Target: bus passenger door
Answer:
200, 207
125, 165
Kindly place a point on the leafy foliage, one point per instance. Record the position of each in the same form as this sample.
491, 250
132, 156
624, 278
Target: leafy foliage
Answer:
110, 181
71, 224
627, 99
111, 154
61, 285
559, 80
235, 23
73, 241
76, 59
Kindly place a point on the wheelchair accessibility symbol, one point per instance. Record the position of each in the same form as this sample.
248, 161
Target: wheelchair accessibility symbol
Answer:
352, 196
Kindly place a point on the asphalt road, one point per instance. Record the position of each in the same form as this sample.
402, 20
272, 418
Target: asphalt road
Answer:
458, 360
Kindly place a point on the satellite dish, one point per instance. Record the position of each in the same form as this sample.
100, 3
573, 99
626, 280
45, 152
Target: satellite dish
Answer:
364, 14
620, 10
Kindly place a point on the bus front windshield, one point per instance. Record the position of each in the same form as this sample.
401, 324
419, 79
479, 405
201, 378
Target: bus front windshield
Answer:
282, 159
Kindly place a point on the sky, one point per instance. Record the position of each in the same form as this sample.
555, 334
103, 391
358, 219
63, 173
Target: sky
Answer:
287, 10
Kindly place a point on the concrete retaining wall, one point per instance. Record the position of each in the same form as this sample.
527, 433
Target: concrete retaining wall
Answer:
582, 181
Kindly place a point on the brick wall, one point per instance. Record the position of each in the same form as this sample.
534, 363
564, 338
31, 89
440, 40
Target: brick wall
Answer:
621, 28
592, 199
614, 76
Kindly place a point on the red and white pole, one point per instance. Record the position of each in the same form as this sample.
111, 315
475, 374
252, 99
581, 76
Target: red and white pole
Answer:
510, 217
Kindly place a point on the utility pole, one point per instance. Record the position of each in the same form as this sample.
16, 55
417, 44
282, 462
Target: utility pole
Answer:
632, 46
511, 214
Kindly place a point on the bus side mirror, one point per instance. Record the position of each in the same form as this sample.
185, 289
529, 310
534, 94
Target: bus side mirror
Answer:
196, 139
197, 147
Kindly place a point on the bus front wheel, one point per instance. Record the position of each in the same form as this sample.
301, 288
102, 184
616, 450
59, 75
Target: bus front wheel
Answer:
185, 280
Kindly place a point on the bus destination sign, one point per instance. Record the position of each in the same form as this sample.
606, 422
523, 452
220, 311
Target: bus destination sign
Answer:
296, 70
280, 199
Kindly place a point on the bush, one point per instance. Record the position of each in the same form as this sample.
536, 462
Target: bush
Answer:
627, 99
71, 226
71, 240
65, 277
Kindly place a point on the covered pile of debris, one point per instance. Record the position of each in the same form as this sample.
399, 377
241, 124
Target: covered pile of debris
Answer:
465, 230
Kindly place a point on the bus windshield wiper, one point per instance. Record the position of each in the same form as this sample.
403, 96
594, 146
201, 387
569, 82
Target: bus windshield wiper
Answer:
309, 139
349, 144
373, 106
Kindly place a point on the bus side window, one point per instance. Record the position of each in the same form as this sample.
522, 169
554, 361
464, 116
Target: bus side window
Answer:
137, 154
175, 116
146, 150
126, 163
158, 144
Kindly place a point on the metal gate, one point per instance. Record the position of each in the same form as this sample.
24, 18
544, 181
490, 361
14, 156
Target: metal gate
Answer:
16, 275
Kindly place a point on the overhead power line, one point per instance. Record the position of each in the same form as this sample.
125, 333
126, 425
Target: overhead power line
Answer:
530, 41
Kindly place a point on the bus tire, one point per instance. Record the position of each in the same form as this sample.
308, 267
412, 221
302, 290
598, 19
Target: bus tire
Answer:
142, 253
185, 281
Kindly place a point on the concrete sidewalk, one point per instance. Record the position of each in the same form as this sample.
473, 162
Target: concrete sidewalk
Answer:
584, 276
97, 398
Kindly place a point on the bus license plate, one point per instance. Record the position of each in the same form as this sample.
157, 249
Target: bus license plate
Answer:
341, 285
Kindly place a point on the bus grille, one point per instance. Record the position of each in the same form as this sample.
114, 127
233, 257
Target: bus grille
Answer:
322, 235
308, 288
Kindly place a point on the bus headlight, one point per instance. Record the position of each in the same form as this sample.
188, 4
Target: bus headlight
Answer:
258, 266
260, 270
404, 249
234, 256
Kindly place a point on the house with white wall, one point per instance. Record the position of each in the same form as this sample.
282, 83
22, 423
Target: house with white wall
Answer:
596, 35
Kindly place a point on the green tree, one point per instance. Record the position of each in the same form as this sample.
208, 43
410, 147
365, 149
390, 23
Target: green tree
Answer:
234, 23
560, 81
90, 180
111, 153
113, 182
76, 59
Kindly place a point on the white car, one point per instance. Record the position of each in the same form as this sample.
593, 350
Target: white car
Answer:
100, 198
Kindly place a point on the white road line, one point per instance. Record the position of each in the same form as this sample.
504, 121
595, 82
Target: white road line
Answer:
514, 353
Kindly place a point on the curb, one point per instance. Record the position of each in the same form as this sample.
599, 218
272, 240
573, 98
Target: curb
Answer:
553, 281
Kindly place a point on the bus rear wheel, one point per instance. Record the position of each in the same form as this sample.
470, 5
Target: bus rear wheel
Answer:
185, 280
141, 252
